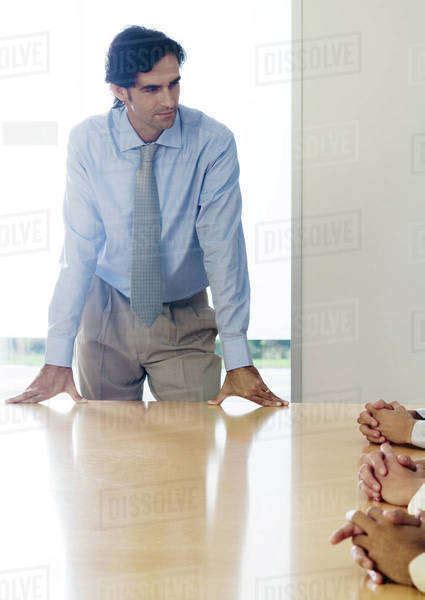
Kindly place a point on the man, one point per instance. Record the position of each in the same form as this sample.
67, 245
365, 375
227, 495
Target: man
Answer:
387, 543
383, 421
152, 214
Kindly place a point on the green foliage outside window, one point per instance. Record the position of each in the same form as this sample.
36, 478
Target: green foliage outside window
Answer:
30, 351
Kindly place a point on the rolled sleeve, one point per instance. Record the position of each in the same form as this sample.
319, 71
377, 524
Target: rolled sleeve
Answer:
417, 501
84, 236
221, 237
417, 571
417, 565
418, 434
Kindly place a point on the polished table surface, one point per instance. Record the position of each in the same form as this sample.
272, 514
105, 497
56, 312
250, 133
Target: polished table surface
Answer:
175, 500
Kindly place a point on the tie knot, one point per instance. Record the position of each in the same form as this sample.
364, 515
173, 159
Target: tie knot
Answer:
148, 151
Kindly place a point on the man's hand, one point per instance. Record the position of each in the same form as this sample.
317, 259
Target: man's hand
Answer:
247, 382
368, 424
50, 381
383, 421
360, 556
391, 547
395, 425
393, 478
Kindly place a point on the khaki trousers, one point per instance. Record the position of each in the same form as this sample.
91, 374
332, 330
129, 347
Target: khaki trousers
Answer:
114, 350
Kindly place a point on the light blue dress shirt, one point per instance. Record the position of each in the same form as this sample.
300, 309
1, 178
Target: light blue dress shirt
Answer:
202, 241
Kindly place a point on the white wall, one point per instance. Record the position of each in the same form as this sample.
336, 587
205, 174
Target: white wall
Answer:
363, 201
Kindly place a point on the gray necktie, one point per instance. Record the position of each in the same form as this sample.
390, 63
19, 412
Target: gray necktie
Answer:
145, 294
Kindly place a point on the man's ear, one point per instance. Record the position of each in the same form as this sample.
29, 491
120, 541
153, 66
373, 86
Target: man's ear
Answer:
119, 92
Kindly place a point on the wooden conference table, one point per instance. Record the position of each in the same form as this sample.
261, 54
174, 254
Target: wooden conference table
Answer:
173, 501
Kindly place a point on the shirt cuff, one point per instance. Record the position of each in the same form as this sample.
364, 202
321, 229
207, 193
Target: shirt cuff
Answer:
418, 434
417, 501
421, 412
59, 351
417, 571
236, 353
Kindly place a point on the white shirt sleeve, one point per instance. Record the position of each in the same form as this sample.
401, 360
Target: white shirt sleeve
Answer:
421, 412
417, 565
83, 239
417, 571
224, 252
417, 501
418, 434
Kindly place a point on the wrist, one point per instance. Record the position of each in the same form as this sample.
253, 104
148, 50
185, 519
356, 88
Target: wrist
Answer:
413, 550
414, 485
239, 368
415, 568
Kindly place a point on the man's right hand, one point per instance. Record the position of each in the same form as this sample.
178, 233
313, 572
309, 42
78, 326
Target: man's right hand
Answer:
51, 381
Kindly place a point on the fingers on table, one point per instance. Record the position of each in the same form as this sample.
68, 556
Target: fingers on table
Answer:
261, 394
27, 397
73, 392
79, 399
267, 394
267, 401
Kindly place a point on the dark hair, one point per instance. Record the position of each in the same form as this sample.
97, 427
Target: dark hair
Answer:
137, 49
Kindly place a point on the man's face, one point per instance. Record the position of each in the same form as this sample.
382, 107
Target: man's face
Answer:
154, 92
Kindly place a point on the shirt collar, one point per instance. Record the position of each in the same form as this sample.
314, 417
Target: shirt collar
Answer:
128, 138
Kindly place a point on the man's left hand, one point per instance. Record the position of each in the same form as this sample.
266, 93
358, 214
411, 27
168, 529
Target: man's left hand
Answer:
247, 382
390, 547
360, 555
